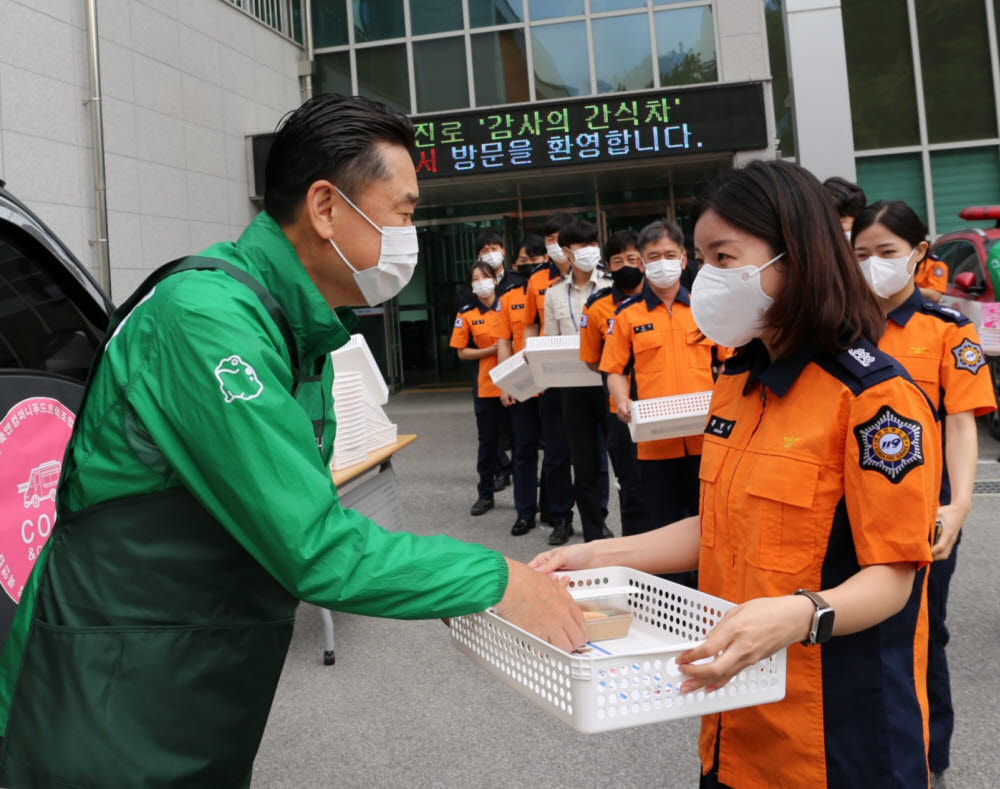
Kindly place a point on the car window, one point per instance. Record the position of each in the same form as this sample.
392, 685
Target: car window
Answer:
961, 256
48, 322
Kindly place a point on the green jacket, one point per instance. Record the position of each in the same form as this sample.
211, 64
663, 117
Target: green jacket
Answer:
194, 497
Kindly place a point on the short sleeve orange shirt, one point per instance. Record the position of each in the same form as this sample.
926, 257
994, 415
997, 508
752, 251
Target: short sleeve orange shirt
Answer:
813, 468
543, 278
514, 316
480, 326
932, 273
664, 353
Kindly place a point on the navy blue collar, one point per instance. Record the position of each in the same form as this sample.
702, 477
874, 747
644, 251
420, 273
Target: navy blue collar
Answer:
483, 308
651, 299
617, 294
777, 376
902, 314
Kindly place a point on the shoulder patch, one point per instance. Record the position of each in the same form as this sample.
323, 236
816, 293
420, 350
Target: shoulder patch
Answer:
598, 294
949, 314
458, 323
969, 356
939, 271
611, 326
583, 321
627, 302
890, 444
862, 359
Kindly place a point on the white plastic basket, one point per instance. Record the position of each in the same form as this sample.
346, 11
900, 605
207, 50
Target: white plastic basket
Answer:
990, 340
356, 356
626, 682
514, 376
669, 417
555, 362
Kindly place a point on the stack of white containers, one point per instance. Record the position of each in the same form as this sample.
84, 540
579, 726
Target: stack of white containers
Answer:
357, 379
350, 445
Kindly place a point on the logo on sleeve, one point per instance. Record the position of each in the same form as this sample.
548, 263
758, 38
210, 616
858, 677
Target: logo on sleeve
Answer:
890, 444
717, 426
237, 379
583, 321
643, 328
611, 326
938, 271
968, 356
458, 323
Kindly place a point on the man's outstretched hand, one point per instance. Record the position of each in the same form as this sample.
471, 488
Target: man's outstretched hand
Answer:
541, 605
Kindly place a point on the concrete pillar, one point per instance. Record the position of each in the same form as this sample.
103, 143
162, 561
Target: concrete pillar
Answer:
821, 103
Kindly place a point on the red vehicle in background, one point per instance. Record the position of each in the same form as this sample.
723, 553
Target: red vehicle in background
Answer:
973, 258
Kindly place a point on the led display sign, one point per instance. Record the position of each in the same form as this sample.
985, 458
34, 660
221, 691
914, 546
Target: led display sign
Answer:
594, 130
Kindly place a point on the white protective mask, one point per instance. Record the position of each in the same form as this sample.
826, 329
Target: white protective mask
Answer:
887, 276
492, 259
728, 304
664, 272
587, 258
555, 253
483, 287
396, 261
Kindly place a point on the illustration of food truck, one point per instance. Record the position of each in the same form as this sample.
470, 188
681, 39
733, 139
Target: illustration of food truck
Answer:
41, 484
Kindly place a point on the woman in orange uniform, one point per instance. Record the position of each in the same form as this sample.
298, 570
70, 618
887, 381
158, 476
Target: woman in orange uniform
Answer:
939, 347
476, 334
819, 478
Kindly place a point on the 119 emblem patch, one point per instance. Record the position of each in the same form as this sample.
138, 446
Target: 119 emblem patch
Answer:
968, 356
890, 444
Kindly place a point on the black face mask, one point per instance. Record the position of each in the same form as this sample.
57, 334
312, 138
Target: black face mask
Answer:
525, 269
627, 277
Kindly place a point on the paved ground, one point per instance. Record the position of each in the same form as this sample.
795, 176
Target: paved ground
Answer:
403, 708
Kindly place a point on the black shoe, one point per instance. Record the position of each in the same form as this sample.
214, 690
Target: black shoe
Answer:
561, 532
545, 518
500, 481
482, 506
522, 526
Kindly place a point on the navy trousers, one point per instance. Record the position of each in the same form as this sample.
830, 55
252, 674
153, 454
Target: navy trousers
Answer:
555, 463
942, 714
489, 426
671, 494
584, 410
631, 497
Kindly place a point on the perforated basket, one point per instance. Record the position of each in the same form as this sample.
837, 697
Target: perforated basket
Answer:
555, 362
990, 340
514, 376
669, 417
624, 682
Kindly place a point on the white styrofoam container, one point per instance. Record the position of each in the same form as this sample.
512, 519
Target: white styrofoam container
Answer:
669, 417
990, 340
626, 682
356, 356
379, 435
555, 362
514, 376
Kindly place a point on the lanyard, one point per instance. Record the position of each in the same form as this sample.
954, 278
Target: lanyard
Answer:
569, 299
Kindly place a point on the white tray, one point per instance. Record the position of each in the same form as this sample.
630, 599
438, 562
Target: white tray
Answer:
555, 362
514, 376
990, 340
624, 682
356, 356
669, 417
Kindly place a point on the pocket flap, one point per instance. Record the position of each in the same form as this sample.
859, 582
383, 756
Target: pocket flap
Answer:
712, 457
783, 479
646, 341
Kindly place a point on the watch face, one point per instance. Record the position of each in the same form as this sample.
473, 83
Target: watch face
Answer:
824, 625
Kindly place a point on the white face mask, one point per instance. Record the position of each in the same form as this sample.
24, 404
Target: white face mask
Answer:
728, 304
887, 276
555, 253
587, 258
664, 272
492, 259
483, 287
396, 261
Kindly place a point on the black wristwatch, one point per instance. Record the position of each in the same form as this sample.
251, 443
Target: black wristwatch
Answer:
822, 624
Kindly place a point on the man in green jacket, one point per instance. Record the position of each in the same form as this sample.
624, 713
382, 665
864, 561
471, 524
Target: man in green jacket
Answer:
196, 508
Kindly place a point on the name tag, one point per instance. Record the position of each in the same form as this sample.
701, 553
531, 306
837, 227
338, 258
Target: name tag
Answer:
478, 323
517, 306
644, 328
717, 426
